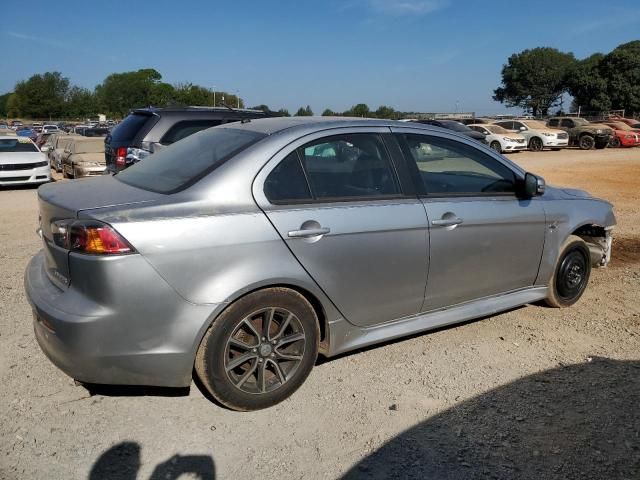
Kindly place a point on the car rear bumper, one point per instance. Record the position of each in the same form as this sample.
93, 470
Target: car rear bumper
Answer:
86, 171
121, 334
25, 177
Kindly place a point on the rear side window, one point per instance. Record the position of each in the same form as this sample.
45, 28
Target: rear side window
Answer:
553, 122
345, 166
129, 128
185, 128
287, 182
183, 163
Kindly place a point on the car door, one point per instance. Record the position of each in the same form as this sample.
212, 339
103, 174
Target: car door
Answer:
484, 240
337, 202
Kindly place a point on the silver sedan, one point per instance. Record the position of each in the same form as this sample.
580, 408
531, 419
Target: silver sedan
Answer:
246, 250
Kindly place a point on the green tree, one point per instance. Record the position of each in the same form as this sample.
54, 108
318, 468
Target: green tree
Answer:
80, 103
385, 112
283, 112
535, 79
621, 70
4, 100
42, 95
120, 92
13, 109
304, 112
328, 113
587, 86
359, 110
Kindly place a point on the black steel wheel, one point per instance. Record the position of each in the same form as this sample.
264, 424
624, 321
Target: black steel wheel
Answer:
571, 275
260, 350
586, 142
495, 145
535, 144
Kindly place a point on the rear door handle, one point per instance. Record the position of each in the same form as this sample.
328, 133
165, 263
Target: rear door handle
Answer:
446, 222
308, 232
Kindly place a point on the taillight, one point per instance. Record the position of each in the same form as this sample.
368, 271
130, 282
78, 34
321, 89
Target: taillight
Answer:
89, 236
121, 156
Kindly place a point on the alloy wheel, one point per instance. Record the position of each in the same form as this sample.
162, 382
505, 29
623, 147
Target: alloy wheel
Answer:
535, 144
265, 350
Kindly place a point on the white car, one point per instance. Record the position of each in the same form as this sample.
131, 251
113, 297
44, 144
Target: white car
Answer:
22, 162
500, 139
50, 129
538, 135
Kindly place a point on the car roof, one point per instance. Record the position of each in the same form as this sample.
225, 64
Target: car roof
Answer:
195, 109
14, 137
270, 126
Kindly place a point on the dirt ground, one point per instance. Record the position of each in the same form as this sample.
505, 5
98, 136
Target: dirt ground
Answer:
532, 393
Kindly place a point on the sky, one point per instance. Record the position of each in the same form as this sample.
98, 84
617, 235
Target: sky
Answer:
413, 55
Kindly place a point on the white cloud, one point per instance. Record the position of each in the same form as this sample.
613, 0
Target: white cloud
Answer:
32, 38
400, 8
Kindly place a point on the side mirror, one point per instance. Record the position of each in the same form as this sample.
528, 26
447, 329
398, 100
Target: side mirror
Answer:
45, 148
522, 129
533, 185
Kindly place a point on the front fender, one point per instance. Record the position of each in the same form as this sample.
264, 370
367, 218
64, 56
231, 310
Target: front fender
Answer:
564, 217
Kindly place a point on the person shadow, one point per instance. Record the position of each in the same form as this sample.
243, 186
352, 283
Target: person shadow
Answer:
122, 462
572, 422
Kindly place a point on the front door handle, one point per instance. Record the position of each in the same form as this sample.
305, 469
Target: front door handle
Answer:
308, 232
446, 222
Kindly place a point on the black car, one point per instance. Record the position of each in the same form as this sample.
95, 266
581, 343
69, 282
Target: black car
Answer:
147, 130
456, 127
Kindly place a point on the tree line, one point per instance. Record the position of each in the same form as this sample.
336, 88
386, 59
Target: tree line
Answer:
536, 79
51, 95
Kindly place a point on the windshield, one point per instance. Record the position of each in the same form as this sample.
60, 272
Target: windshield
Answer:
620, 126
496, 129
17, 145
188, 160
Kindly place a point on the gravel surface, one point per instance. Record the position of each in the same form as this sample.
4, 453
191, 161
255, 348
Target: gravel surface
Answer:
532, 393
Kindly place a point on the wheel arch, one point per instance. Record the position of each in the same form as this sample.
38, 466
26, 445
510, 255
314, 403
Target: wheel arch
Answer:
321, 305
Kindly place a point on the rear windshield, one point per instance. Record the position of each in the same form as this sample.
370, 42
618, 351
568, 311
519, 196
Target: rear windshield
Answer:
127, 130
455, 126
88, 147
185, 162
17, 145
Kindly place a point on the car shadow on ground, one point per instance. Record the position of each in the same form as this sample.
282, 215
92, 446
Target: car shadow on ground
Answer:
572, 422
122, 462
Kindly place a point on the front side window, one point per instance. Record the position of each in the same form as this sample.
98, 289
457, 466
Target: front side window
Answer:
344, 166
567, 123
553, 122
449, 167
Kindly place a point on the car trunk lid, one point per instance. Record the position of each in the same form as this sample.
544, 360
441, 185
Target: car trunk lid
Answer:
66, 200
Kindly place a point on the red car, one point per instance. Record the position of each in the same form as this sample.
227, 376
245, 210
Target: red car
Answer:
632, 122
624, 135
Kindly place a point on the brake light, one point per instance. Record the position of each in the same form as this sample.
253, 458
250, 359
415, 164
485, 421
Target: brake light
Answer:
90, 237
121, 156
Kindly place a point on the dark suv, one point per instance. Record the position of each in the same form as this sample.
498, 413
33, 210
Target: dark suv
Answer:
146, 130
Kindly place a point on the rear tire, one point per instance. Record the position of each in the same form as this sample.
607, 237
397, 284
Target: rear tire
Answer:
586, 142
276, 332
571, 274
535, 144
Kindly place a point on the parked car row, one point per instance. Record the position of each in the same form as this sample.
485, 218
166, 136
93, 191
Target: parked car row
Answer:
554, 134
